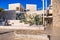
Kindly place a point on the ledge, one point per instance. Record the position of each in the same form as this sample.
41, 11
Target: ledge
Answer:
18, 28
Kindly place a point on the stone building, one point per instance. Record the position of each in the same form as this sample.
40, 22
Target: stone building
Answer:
31, 7
19, 10
17, 7
8, 15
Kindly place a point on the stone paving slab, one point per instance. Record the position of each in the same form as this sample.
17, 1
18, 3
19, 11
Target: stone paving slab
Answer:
7, 36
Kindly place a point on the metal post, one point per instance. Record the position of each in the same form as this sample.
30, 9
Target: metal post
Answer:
43, 11
51, 2
46, 9
46, 4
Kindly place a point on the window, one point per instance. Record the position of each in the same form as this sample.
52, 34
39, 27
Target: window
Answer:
17, 8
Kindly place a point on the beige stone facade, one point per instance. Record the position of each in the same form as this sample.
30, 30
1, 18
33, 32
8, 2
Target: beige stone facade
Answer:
16, 6
31, 7
56, 19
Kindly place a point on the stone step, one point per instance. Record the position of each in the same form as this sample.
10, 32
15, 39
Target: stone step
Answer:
20, 28
34, 32
31, 37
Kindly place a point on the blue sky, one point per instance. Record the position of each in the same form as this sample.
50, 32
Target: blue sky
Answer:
4, 3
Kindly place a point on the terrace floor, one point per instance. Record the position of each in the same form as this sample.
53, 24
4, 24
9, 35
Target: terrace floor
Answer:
35, 31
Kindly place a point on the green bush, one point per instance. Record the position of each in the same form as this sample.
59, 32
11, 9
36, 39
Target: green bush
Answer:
31, 20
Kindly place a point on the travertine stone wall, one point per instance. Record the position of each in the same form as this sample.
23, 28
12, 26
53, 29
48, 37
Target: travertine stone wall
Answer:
56, 13
56, 20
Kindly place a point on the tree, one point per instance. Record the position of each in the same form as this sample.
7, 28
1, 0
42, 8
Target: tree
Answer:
1, 9
37, 19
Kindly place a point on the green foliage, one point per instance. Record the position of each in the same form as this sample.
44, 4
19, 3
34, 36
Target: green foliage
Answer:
30, 19
1, 9
41, 21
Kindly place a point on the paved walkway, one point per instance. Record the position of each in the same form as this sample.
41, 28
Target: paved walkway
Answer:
49, 30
